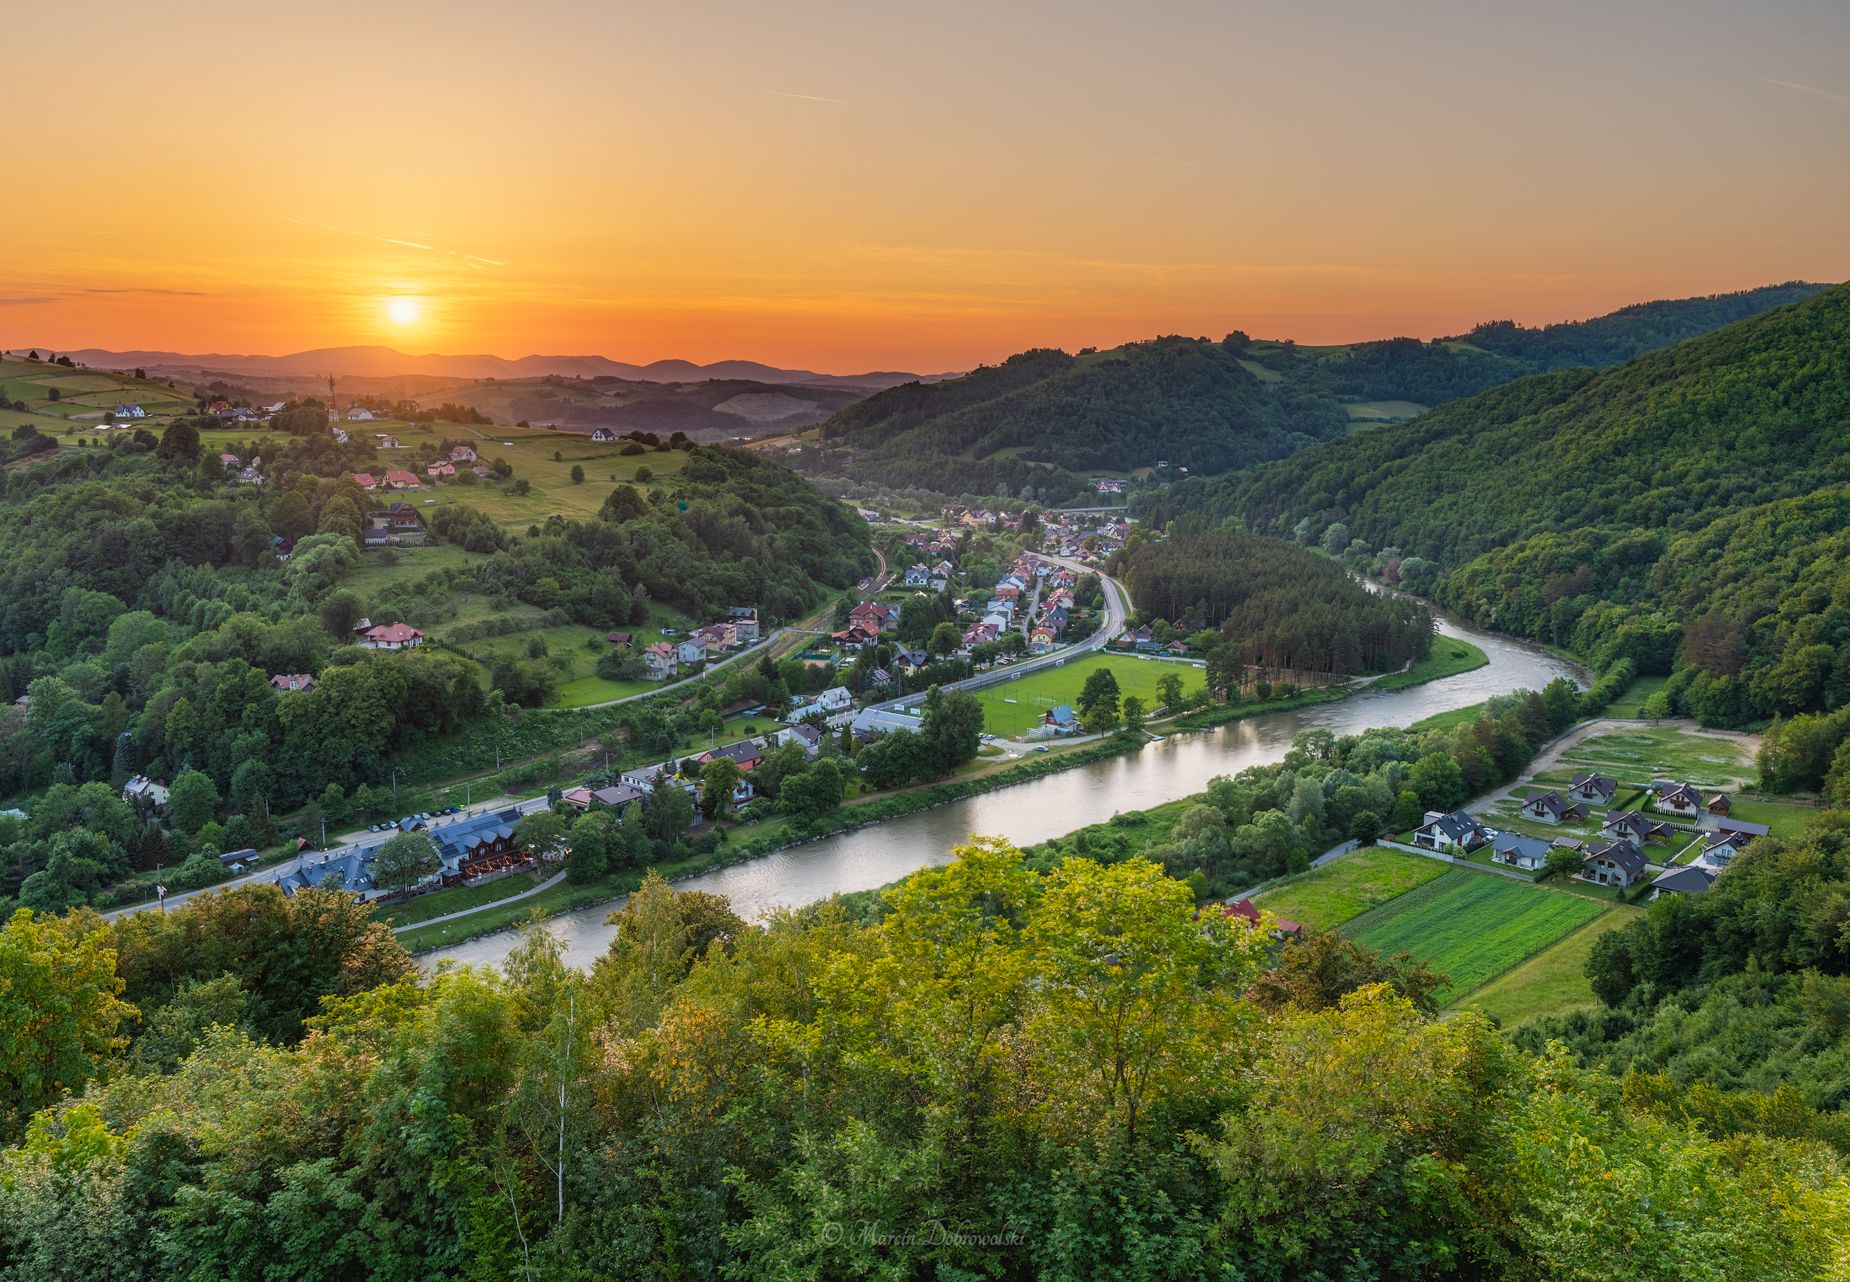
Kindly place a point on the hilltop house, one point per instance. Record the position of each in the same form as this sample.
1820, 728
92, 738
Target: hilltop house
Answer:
393, 636
1457, 831
462, 454
603, 435
129, 411
358, 415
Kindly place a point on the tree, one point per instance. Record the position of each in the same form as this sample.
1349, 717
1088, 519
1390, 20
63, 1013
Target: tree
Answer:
578, 474
179, 443
1365, 827
1169, 689
540, 834
1563, 863
1318, 968
945, 639
810, 793
405, 859
717, 780
950, 728
669, 810
192, 801
592, 837
1133, 714
61, 1020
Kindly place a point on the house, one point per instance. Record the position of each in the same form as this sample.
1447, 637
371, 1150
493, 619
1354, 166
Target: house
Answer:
238, 860
249, 475
402, 518
479, 844
718, 636
394, 636
691, 650
292, 681
358, 415
1637, 827
440, 471
908, 658
1684, 879
603, 435
1176, 647
386, 440
366, 481
1106, 485
1041, 640
850, 638
746, 754
1730, 836
129, 411
340, 435
462, 454
804, 733
1454, 832
1247, 911
1719, 806
613, 798
1060, 720
1594, 790
401, 480
230, 460
1679, 798
659, 662
835, 699
1619, 863
744, 621
874, 617
918, 576
980, 634
143, 791
1518, 851
620, 639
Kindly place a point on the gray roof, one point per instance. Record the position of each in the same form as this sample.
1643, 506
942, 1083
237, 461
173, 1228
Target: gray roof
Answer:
1686, 879
1458, 825
1623, 853
1516, 844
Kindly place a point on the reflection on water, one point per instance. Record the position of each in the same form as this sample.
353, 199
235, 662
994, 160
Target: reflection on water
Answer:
1057, 804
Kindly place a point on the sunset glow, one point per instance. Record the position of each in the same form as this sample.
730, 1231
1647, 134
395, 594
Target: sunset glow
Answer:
862, 188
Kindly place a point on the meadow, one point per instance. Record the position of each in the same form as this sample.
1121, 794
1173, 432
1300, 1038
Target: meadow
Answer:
1553, 981
1015, 707
1349, 886
1472, 926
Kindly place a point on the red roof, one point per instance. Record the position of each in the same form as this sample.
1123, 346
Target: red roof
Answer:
407, 480
394, 633
1246, 910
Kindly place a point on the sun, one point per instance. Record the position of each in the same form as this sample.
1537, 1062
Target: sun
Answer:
404, 310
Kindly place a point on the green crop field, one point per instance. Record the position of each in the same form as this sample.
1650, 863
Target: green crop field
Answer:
1350, 885
1553, 982
1472, 927
1017, 706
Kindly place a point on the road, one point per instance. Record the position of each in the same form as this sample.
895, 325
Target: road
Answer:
269, 875
1117, 610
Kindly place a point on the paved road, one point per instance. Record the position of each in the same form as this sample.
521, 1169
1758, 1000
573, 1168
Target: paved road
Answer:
548, 884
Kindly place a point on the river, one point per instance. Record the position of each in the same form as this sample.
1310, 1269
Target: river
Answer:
1057, 804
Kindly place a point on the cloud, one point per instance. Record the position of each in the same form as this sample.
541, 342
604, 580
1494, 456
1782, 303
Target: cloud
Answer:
23, 302
805, 97
135, 289
1831, 96
403, 244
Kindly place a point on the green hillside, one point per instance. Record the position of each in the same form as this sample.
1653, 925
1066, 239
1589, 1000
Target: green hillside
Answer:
1686, 509
1045, 419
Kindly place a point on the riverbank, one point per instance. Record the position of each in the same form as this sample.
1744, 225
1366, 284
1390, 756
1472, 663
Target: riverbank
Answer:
754, 841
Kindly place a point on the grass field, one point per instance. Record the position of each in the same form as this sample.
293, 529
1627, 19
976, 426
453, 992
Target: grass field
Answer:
1553, 981
1349, 886
1785, 819
1017, 706
1630, 705
1661, 752
1384, 411
1471, 926
1448, 657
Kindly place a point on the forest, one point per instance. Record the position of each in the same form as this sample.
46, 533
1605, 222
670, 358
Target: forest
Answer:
1685, 510
1042, 419
1276, 605
998, 1068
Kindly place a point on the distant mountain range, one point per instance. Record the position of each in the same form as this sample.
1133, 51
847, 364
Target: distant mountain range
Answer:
378, 361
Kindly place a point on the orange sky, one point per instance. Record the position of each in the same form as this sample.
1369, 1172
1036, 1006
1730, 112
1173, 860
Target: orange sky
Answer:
848, 187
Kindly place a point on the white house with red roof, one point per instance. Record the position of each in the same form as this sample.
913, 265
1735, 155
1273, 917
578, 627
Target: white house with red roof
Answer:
392, 636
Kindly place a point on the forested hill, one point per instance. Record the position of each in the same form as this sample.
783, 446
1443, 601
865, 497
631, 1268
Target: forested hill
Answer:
1690, 509
1044, 418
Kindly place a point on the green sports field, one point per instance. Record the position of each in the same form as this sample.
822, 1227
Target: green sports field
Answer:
1017, 706
1472, 926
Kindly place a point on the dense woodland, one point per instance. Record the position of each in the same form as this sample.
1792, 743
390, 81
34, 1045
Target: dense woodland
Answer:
1685, 510
1043, 418
1278, 605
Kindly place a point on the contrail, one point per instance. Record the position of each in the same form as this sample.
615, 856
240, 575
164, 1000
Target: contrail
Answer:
806, 97
1842, 100
389, 240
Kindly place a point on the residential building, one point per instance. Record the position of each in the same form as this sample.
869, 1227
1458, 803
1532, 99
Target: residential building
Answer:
1619, 863
1060, 720
399, 479
615, 797
1679, 798
462, 454
1246, 910
835, 699
747, 754
358, 415
386, 440
129, 411
691, 650
1518, 851
874, 617
1594, 790
1683, 879
1639, 828
744, 621
142, 791
292, 681
603, 435
804, 733
393, 636
1457, 831
659, 662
